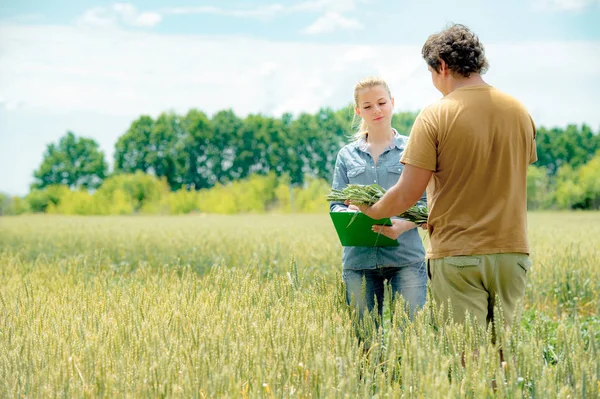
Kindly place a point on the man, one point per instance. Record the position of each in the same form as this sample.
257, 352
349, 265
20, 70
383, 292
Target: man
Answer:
470, 150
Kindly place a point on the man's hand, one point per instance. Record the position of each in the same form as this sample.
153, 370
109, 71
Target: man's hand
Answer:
394, 231
404, 194
363, 208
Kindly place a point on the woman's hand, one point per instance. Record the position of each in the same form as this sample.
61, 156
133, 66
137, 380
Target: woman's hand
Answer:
353, 208
394, 231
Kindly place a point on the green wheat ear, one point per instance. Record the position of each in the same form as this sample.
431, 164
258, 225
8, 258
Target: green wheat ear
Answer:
353, 218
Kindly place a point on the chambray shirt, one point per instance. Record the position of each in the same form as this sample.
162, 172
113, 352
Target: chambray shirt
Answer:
355, 165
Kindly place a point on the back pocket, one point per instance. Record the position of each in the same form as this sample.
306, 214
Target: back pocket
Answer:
462, 261
525, 264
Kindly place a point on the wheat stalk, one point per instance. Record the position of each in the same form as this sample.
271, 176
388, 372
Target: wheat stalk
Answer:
369, 194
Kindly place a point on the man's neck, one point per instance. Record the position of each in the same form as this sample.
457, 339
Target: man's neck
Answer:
474, 80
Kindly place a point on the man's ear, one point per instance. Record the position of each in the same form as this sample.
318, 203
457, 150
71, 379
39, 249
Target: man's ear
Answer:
443, 68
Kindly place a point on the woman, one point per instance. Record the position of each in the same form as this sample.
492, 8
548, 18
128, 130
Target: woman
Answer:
374, 157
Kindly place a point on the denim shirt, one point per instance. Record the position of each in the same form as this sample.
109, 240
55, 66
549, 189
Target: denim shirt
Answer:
355, 165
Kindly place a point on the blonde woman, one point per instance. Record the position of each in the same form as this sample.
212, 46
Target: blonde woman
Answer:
374, 157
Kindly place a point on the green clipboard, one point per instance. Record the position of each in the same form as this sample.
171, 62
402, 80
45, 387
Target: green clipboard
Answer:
359, 233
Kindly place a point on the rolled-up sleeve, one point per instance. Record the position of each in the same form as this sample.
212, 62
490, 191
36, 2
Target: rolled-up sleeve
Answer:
340, 180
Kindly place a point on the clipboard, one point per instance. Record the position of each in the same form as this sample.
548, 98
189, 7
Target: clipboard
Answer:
359, 233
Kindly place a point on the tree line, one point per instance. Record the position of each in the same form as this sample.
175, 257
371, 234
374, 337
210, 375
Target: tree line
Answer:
197, 152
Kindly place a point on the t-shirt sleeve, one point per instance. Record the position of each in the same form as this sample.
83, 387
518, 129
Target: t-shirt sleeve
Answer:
533, 151
421, 149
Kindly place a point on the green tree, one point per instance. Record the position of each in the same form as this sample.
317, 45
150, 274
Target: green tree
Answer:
166, 157
252, 143
17, 206
197, 153
139, 190
76, 162
571, 146
569, 193
133, 148
305, 133
346, 117
225, 125
403, 122
39, 200
537, 187
333, 137
589, 179
4, 204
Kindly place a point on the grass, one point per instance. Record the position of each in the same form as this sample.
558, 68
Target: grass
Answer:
253, 306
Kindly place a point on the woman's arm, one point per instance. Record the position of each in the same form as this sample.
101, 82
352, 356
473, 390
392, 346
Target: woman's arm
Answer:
340, 180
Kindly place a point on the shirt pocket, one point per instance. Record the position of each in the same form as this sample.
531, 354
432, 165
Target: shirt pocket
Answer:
356, 174
391, 175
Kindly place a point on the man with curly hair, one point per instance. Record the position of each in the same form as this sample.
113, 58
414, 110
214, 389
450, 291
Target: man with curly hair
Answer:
471, 150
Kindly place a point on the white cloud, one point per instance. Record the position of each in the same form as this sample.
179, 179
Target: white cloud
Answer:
262, 12
119, 13
332, 21
98, 16
328, 5
333, 11
128, 73
8, 105
116, 75
132, 17
273, 10
12, 105
28, 18
565, 5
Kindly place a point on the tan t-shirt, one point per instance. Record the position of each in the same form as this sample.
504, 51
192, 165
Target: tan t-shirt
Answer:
478, 142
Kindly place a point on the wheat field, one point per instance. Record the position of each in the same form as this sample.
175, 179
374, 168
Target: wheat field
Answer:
253, 306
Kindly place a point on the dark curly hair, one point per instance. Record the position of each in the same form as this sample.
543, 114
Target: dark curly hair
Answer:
460, 49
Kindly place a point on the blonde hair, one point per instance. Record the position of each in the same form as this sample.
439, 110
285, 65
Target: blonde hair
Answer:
366, 83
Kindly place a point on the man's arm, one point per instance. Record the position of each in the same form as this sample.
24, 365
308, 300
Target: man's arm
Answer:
420, 161
533, 151
404, 194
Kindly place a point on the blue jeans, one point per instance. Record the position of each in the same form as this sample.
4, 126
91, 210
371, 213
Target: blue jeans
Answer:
410, 281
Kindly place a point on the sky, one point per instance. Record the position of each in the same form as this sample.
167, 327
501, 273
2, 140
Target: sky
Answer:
93, 67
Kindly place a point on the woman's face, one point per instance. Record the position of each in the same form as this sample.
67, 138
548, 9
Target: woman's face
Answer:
375, 106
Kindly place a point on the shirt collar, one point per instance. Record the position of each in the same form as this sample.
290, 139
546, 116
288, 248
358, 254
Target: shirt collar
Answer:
363, 145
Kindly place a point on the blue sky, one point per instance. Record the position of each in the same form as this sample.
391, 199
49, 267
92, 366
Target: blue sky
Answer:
493, 20
94, 66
